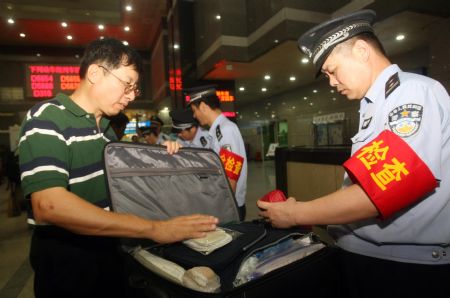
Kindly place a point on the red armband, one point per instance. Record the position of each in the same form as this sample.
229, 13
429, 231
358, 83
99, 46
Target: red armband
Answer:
232, 163
390, 172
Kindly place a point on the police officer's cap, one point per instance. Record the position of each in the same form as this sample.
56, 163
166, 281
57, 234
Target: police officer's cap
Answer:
182, 119
319, 41
201, 92
146, 130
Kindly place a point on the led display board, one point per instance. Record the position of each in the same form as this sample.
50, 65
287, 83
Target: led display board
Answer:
45, 80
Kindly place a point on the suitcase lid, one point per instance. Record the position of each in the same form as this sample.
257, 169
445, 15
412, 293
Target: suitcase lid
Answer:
146, 181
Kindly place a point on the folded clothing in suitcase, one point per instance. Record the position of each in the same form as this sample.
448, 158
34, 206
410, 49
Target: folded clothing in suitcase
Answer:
146, 181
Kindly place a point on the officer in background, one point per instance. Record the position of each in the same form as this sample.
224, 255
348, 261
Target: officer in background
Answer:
150, 135
189, 133
226, 140
392, 217
157, 123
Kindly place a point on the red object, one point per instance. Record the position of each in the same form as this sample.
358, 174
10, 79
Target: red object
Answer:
274, 196
232, 163
391, 173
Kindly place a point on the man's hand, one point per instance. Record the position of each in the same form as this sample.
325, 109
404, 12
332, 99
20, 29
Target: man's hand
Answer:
172, 146
183, 227
279, 214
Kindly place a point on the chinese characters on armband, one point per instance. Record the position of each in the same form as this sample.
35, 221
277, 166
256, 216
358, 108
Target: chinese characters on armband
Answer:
232, 163
390, 172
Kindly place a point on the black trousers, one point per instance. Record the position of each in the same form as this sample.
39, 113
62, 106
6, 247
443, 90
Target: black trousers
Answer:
371, 277
242, 212
70, 265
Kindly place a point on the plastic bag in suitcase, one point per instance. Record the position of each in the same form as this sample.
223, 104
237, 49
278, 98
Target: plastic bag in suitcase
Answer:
146, 181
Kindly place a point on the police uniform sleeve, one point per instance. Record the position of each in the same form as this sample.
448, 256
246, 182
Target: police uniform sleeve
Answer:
402, 164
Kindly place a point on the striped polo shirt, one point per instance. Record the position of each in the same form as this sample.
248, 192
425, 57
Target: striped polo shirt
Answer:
61, 145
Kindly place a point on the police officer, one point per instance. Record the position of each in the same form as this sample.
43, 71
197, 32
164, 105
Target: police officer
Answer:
392, 218
157, 123
226, 139
190, 134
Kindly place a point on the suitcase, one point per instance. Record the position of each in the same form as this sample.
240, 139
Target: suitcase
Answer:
146, 181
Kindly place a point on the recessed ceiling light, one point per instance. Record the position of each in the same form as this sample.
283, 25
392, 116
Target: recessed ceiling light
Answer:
125, 42
102, 37
22, 35
101, 27
263, 89
334, 98
176, 46
10, 21
38, 55
69, 37
293, 107
331, 90
126, 28
128, 8
64, 24
241, 88
311, 104
9, 6
314, 91
305, 60
218, 17
400, 37
275, 41
77, 56
305, 98
292, 78
266, 77
269, 104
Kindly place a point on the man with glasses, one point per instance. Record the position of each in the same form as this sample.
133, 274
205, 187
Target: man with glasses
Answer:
74, 250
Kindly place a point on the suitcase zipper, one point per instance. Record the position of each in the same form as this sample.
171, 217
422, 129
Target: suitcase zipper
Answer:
161, 172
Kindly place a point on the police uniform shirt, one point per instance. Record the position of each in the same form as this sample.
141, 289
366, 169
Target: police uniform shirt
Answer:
162, 137
417, 109
200, 140
225, 134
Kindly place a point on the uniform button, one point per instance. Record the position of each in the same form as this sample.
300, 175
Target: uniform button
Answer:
435, 254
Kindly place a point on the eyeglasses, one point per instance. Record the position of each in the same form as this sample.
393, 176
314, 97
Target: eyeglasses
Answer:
128, 87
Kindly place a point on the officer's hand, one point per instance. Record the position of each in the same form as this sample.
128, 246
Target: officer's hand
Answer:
279, 214
183, 227
172, 146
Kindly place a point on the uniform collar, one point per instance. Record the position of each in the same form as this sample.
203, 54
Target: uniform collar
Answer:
219, 119
377, 88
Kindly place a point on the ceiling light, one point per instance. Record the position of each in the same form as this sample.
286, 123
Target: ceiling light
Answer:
311, 104
126, 28
263, 89
176, 46
64, 24
305, 98
269, 104
334, 98
10, 21
101, 27
305, 60
292, 78
77, 56
22, 35
128, 8
218, 17
102, 37
400, 37
125, 42
241, 88
293, 107
314, 91
275, 41
69, 37
266, 77
331, 90
38, 55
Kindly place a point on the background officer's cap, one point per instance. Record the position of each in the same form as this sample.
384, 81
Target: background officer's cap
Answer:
182, 119
319, 41
146, 130
198, 93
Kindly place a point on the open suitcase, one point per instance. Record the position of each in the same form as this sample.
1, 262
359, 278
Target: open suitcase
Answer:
146, 181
